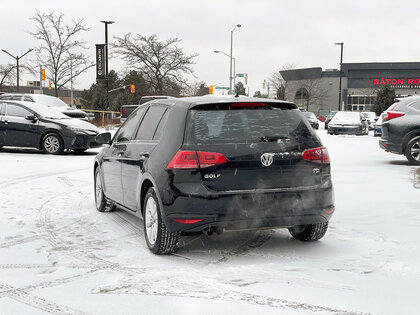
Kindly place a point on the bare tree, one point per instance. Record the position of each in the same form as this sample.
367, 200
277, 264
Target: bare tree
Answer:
161, 63
60, 51
278, 83
7, 74
311, 92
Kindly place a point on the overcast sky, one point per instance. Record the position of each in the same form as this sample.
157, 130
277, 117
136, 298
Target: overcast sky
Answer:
273, 32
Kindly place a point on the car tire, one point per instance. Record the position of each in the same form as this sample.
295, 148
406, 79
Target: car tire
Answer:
309, 232
412, 151
159, 239
52, 144
100, 200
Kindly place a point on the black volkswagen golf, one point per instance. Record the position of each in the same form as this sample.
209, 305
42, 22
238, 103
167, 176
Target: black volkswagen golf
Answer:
209, 164
28, 124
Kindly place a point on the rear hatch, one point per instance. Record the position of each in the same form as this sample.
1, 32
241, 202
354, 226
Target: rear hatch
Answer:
247, 146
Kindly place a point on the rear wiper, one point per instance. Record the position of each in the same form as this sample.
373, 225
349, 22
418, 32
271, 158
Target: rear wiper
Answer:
272, 138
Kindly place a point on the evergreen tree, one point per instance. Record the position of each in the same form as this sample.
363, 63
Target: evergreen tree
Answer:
240, 88
384, 98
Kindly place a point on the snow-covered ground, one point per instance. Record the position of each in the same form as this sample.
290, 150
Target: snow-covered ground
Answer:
59, 255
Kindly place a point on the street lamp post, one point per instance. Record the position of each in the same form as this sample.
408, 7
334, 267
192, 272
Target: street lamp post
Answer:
106, 60
17, 65
231, 48
341, 74
234, 64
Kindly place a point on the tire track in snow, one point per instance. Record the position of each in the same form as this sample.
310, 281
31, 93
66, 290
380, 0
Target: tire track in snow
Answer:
255, 242
23, 296
22, 179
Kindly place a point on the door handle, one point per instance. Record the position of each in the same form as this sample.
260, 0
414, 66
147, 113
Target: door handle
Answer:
144, 155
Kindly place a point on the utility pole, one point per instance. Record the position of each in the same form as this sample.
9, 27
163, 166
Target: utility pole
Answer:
341, 74
106, 60
231, 48
40, 79
17, 64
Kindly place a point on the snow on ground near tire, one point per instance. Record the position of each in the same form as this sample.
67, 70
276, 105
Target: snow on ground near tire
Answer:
59, 255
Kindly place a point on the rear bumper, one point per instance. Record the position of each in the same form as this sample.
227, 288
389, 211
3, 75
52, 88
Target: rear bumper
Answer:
391, 146
250, 210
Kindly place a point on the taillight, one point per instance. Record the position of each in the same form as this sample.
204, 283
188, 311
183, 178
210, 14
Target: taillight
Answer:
194, 159
121, 111
317, 155
391, 115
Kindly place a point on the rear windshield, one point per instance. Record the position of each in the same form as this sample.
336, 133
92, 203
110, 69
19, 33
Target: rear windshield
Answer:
247, 126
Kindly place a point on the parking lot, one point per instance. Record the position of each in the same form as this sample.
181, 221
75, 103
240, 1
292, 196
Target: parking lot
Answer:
59, 255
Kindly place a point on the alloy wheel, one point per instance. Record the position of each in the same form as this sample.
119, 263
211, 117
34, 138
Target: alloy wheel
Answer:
98, 190
151, 220
415, 151
51, 144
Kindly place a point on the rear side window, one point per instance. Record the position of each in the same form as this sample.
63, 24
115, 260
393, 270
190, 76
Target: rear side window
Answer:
246, 126
16, 98
150, 122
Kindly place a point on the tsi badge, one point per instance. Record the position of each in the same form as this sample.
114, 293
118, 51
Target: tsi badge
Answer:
267, 159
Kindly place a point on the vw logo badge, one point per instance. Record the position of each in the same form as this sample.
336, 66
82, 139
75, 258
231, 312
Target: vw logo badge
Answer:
267, 159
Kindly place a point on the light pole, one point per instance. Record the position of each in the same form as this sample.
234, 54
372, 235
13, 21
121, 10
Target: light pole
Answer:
106, 60
234, 63
231, 48
17, 65
341, 74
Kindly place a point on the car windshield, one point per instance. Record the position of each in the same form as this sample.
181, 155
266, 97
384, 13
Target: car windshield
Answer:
369, 115
49, 101
353, 116
309, 115
246, 126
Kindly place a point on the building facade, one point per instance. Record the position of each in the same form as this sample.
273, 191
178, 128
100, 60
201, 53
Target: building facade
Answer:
317, 90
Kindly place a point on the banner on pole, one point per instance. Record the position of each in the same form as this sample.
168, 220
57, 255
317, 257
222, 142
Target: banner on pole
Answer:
100, 62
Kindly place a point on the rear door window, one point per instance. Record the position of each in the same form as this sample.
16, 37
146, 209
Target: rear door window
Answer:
246, 126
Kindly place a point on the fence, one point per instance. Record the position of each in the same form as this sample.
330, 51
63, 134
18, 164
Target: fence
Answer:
103, 118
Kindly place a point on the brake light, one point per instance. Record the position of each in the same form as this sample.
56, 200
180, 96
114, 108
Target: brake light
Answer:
249, 105
317, 155
391, 115
121, 111
187, 221
194, 159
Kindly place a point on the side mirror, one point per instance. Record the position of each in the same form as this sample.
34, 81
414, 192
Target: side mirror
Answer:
31, 117
103, 138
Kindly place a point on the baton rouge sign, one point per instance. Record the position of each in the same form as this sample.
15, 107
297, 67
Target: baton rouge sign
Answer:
393, 81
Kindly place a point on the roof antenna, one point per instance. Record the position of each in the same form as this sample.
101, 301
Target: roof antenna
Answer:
237, 94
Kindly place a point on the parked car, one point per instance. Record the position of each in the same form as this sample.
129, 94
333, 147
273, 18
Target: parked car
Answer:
348, 123
205, 164
311, 119
47, 100
371, 118
126, 110
377, 131
28, 124
322, 114
328, 119
401, 129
